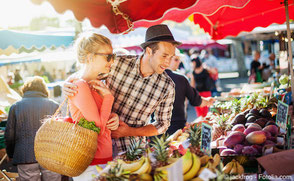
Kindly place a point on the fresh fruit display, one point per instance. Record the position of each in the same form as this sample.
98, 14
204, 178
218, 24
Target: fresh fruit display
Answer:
242, 128
219, 127
120, 169
254, 130
195, 136
235, 106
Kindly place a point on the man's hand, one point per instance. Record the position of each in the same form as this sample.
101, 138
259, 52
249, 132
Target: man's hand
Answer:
122, 131
100, 87
207, 101
113, 122
68, 88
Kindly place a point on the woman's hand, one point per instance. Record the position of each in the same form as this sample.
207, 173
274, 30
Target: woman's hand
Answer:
113, 122
101, 88
68, 88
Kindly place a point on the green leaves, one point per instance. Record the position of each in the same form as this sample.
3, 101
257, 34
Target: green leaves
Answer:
88, 125
195, 135
160, 148
134, 151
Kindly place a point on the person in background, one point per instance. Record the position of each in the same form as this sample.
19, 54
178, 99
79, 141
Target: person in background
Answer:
208, 59
17, 76
94, 100
46, 75
210, 64
203, 84
22, 124
268, 67
10, 78
255, 69
183, 91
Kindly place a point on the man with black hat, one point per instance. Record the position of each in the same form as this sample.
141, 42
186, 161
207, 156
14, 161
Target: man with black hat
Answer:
141, 86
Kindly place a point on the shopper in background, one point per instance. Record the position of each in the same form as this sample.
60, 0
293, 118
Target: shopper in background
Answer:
255, 69
203, 84
210, 64
17, 76
22, 124
183, 91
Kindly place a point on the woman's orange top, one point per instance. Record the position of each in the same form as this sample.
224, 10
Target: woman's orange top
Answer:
88, 104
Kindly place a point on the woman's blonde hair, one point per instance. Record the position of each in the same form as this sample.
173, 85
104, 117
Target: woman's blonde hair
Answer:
89, 43
35, 83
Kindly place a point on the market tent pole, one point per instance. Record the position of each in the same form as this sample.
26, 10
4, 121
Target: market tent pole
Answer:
289, 48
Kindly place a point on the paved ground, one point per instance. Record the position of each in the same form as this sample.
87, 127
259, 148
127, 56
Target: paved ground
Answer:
227, 82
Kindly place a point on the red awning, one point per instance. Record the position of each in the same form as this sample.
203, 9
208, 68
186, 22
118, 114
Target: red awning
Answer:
257, 13
205, 7
101, 12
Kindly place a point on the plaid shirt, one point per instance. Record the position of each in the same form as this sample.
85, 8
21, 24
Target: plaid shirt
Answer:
137, 97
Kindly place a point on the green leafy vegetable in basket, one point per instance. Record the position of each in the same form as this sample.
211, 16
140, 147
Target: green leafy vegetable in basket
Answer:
89, 125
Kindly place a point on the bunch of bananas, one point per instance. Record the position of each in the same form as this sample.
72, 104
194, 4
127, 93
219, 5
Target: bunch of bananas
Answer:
208, 162
140, 166
191, 166
140, 169
233, 168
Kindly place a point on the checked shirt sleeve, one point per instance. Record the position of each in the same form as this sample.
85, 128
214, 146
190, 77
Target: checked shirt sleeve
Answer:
163, 112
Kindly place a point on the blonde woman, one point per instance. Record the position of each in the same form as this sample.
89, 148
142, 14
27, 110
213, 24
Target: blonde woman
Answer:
23, 123
94, 100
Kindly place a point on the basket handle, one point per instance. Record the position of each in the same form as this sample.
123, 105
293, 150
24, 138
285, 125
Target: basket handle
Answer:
60, 106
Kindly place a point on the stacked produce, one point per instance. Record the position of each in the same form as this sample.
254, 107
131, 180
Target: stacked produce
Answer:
252, 130
136, 164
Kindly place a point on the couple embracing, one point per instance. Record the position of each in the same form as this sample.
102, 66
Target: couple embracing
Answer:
136, 86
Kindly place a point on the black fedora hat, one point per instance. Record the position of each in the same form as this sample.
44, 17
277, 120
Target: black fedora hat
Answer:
158, 33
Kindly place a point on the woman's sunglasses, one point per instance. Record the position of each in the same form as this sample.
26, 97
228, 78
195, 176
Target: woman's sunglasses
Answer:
109, 57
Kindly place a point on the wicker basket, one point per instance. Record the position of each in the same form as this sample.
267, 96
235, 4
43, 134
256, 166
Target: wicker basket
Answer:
64, 147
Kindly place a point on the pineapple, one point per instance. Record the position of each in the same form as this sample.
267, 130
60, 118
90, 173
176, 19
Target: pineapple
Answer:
134, 150
161, 153
236, 106
115, 173
219, 126
195, 136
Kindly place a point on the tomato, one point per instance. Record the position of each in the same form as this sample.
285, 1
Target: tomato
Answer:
68, 119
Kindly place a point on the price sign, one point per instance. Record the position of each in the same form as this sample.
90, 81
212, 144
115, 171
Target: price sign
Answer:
175, 171
282, 115
206, 138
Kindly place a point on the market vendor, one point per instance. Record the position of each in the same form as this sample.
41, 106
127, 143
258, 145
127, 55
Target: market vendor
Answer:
183, 91
140, 87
